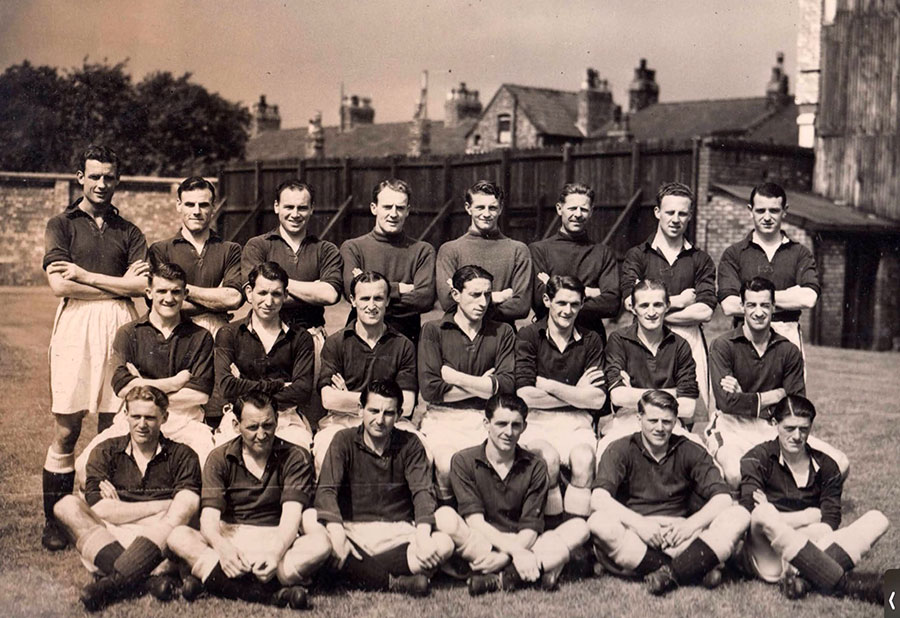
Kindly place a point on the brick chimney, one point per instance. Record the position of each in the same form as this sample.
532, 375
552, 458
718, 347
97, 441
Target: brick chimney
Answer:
643, 91
420, 130
595, 104
355, 111
461, 104
315, 138
777, 89
264, 117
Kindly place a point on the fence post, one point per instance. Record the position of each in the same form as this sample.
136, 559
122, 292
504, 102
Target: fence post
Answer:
635, 166
347, 220
257, 192
394, 162
695, 183
568, 164
301, 170
447, 181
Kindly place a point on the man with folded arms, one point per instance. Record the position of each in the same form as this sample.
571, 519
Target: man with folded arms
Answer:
139, 487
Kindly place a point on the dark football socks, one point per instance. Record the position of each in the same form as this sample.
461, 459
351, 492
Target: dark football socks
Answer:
651, 561
55, 485
107, 556
138, 560
694, 562
819, 568
837, 553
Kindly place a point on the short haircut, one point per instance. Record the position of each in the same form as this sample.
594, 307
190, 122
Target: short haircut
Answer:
168, 271
649, 284
674, 188
576, 188
268, 270
369, 276
96, 152
394, 184
508, 401
485, 187
794, 405
148, 393
388, 389
194, 183
769, 189
258, 399
564, 282
757, 284
659, 399
296, 185
467, 273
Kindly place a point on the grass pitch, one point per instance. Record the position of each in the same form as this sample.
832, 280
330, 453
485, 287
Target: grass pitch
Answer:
857, 393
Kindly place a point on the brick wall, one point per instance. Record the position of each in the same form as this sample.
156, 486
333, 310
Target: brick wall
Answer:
29, 200
886, 322
738, 163
831, 260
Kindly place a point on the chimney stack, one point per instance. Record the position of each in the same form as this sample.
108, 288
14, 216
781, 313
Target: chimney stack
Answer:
461, 104
356, 110
264, 117
777, 89
420, 130
643, 91
595, 104
315, 138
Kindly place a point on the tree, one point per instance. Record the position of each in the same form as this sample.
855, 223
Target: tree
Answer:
163, 125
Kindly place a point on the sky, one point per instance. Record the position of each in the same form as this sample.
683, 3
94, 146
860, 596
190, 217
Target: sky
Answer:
297, 53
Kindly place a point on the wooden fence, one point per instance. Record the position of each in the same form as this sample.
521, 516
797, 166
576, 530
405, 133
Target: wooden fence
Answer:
621, 174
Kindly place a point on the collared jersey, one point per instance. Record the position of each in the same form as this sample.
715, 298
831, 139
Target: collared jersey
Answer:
792, 264
510, 504
315, 260
444, 343
508, 260
780, 366
593, 263
666, 487
763, 468
392, 358
244, 499
218, 264
358, 484
693, 268
672, 367
291, 359
73, 236
173, 468
538, 355
400, 259
155, 356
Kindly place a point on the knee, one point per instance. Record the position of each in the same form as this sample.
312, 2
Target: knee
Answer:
735, 519
602, 527
448, 521
582, 464
574, 532
876, 521
68, 429
68, 507
765, 518
730, 463
179, 537
550, 457
444, 544
319, 546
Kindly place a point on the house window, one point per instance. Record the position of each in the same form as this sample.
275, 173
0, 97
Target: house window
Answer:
504, 129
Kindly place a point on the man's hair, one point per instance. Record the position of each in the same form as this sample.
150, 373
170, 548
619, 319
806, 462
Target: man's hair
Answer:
168, 271
369, 276
508, 401
649, 284
196, 182
485, 187
258, 399
564, 282
96, 152
674, 188
148, 393
576, 188
757, 284
769, 189
386, 388
659, 399
794, 405
296, 185
268, 270
466, 273
394, 184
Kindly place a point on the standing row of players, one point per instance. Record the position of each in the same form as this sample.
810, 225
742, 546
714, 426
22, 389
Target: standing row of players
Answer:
463, 359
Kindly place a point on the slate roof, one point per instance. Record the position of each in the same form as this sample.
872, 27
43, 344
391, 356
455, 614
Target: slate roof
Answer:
552, 112
374, 140
814, 212
746, 118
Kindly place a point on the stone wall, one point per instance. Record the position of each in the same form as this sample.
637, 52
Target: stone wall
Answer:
29, 200
831, 260
524, 133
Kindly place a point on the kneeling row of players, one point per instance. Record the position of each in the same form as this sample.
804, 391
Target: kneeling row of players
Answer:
659, 510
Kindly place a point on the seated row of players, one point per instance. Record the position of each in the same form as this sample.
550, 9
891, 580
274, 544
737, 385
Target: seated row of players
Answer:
660, 509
